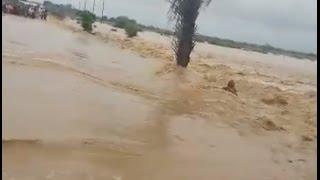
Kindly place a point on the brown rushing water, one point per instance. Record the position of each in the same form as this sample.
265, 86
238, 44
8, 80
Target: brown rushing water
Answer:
77, 108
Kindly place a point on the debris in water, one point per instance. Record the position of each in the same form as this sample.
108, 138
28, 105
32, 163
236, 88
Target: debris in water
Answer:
301, 160
269, 125
241, 73
284, 112
307, 138
274, 99
231, 87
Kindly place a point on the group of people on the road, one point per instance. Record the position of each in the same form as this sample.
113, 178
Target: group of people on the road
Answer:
32, 11
41, 11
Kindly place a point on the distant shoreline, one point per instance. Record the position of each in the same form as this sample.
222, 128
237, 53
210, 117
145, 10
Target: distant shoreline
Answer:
265, 49
67, 10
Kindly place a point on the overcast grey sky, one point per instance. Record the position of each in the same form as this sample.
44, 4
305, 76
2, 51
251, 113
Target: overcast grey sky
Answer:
289, 24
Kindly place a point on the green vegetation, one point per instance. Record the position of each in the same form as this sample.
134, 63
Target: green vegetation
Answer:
123, 22
87, 19
131, 30
129, 25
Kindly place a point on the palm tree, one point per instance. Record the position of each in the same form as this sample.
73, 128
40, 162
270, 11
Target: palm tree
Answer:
185, 14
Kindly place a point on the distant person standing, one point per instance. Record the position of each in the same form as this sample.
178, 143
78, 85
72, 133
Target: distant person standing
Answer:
43, 14
31, 12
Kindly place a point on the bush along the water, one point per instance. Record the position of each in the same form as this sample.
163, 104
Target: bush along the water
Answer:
87, 19
131, 30
129, 25
123, 22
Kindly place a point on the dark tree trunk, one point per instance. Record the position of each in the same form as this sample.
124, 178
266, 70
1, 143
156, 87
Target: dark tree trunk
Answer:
183, 54
185, 44
185, 13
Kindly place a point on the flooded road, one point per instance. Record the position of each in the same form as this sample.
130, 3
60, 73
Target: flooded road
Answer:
75, 107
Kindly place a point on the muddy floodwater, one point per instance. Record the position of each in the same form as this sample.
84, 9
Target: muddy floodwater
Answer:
76, 106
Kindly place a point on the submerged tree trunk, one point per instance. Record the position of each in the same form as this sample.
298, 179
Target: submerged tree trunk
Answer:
183, 54
185, 44
185, 13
